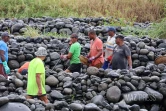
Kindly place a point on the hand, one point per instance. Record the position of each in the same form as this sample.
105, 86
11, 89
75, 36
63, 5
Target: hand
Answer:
91, 59
39, 92
130, 68
87, 56
109, 58
63, 56
7, 69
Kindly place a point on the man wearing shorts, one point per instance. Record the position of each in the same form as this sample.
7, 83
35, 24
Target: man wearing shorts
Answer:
36, 76
73, 55
4, 69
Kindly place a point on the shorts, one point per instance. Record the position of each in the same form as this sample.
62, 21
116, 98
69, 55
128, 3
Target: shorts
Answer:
75, 67
2, 71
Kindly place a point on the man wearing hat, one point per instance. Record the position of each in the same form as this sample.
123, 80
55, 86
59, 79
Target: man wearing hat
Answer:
110, 44
4, 69
36, 76
73, 55
121, 55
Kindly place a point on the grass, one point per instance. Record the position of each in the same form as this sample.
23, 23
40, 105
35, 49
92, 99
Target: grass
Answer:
158, 30
140, 10
33, 32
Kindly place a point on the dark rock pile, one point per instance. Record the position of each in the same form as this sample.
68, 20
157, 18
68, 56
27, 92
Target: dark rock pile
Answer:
140, 89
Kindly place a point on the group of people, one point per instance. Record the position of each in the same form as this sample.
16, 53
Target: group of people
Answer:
116, 55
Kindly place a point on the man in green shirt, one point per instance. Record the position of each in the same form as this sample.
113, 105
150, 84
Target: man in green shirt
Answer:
73, 55
36, 76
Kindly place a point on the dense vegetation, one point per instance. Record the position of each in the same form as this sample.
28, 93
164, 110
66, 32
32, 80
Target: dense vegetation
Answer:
137, 10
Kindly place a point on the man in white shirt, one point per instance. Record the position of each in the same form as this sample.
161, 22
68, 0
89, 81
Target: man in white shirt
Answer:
110, 44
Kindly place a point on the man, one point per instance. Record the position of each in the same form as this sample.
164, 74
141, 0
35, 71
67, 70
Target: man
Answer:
121, 55
95, 56
4, 69
24, 68
110, 44
36, 76
73, 55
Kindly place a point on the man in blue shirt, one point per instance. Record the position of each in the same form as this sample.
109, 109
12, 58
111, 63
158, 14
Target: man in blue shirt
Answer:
4, 69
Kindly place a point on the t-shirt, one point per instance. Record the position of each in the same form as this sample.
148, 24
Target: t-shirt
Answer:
95, 46
75, 49
35, 66
119, 60
24, 66
110, 44
3, 46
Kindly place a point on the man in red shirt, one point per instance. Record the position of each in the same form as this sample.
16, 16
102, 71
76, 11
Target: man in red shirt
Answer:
95, 56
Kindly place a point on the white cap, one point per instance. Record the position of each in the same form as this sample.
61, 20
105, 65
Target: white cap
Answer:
41, 52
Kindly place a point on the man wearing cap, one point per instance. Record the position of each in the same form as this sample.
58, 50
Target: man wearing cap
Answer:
95, 56
73, 55
4, 69
36, 76
110, 44
121, 55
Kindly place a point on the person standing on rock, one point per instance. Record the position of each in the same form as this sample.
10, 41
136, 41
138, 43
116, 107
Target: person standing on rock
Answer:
121, 55
73, 55
110, 44
4, 69
95, 56
36, 76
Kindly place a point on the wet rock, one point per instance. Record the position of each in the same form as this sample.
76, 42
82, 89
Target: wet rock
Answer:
135, 97
92, 71
91, 107
76, 107
65, 31
156, 95
60, 104
67, 90
144, 51
3, 100
16, 27
13, 64
56, 94
51, 81
54, 56
98, 100
13, 106
113, 94
155, 108
18, 83
2, 79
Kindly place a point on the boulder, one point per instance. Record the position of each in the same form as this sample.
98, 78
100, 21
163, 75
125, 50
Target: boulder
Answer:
113, 94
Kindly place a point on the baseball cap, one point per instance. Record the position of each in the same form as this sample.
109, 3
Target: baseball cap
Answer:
5, 34
111, 29
41, 52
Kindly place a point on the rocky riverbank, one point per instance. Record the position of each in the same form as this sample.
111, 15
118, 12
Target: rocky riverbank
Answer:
141, 89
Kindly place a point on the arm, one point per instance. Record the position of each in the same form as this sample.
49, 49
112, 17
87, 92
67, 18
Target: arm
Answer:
38, 81
129, 62
2, 55
99, 54
69, 55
